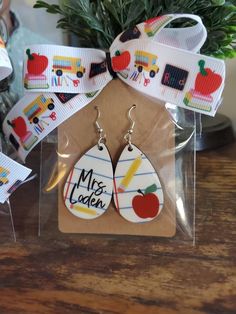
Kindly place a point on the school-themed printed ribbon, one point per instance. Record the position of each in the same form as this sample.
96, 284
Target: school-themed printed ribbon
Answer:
5, 63
12, 174
160, 62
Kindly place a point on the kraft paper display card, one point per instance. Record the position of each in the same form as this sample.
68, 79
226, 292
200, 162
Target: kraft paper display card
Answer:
154, 135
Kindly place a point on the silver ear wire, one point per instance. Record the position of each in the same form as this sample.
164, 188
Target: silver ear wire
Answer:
102, 135
128, 135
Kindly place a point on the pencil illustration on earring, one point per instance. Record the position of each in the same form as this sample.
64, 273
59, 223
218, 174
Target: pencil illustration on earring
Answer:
130, 173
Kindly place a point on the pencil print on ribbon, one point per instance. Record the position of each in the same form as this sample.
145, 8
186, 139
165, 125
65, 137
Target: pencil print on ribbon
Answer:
35, 77
146, 67
67, 70
152, 26
206, 83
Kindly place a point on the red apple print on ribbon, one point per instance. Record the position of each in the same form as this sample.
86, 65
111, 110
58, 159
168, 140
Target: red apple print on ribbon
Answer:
146, 205
36, 64
207, 81
19, 126
120, 61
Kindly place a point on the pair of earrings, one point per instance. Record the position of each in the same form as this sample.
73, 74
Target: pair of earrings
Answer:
135, 186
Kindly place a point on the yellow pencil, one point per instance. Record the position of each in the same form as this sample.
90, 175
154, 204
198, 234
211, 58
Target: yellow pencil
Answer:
129, 174
88, 211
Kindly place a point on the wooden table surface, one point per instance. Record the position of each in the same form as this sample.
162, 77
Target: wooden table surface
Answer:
91, 274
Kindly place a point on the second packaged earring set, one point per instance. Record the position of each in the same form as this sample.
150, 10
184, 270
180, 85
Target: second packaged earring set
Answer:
134, 186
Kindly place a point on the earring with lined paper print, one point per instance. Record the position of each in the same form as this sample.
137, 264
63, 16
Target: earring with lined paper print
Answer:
88, 189
138, 194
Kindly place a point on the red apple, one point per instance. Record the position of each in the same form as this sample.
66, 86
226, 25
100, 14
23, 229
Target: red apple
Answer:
120, 61
19, 126
36, 64
207, 81
146, 205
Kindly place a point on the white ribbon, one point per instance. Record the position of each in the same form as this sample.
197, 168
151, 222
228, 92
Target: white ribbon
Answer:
12, 175
160, 62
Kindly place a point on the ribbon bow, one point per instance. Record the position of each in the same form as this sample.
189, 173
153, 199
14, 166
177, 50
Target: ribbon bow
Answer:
158, 61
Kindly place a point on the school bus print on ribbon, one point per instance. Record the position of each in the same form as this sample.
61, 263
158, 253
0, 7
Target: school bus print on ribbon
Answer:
145, 64
67, 69
135, 58
12, 174
37, 107
145, 61
3, 175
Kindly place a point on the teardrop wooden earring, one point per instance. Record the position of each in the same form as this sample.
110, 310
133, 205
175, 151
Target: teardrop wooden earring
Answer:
138, 194
88, 189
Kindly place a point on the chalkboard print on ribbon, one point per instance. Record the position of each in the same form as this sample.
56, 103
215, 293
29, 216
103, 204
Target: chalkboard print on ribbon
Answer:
129, 34
97, 68
88, 189
207, 82
174, 78
65, 97
36, 66
138, 194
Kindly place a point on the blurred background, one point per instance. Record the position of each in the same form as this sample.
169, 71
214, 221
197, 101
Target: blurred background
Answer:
40, 22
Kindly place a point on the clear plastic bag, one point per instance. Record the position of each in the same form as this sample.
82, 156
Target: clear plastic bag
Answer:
166, 135
7, 226
19, 214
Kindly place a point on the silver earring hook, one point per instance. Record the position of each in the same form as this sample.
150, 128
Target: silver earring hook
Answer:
102, 135
128, 135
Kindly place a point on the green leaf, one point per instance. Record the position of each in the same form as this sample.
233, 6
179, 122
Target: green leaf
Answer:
111, 9
135, 10
150, 189
50, 8
218, 2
